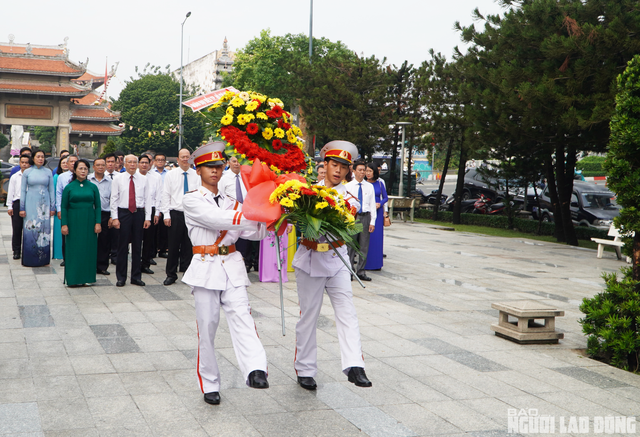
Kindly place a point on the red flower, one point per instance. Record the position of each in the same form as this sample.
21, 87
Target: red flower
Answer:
277, 110
252, 128
277, 144
330, 201
307, 192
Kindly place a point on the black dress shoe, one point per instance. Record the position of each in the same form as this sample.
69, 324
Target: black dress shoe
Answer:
384, 255
358, 377
147, 270
138, 282
152, 262
120, 284
212, 398
364, 277
163, 255
307, 382
103, 272
169, 281
258, 379
62, 264
16, 256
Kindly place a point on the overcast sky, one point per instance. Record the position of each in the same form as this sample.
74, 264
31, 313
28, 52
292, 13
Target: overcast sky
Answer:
136, 32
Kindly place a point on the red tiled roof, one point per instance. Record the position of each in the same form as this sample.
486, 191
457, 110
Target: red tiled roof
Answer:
92, 113
52, 67
51, 88
81, 127
34, 50
89, 99
89, 76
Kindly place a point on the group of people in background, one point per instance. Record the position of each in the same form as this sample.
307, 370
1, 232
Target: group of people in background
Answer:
127, 206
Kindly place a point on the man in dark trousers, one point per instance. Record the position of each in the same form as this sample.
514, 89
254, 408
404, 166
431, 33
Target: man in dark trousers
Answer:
103, 183
177, 182
162, 235
154, 182
13, 202
131, 213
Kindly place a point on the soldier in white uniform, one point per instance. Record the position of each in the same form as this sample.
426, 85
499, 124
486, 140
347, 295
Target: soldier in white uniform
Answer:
217, 275
318, 268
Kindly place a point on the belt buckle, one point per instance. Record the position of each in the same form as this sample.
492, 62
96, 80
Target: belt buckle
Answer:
322, 247
223, 250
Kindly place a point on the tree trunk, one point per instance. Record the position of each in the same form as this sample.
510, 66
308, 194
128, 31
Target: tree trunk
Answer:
636, 257
460, 183
564, 172
442, 178
553, 196
408, 181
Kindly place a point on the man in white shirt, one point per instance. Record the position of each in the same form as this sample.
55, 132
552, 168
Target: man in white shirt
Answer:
162, 232
112, 234
149, 236
217, 277
63, 181
99, 179
176, 183
131, 213
366, 195
231, 185
319, 269
13, 202
321, 172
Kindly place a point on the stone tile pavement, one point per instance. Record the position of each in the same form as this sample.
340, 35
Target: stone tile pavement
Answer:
107, 361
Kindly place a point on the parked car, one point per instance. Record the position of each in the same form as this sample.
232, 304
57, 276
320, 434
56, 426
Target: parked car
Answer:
477, 183
5, 168
591, 205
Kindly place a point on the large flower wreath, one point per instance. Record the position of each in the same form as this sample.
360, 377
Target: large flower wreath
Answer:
257, 127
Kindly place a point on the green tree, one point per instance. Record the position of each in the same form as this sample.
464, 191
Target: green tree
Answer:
148, 105
46, 136
544, 73
3, 141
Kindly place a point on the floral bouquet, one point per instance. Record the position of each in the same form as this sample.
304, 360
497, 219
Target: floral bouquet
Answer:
257, 127
314, 209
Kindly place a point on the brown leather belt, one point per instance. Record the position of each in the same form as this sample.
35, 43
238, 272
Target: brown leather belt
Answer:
320, 247
213, 249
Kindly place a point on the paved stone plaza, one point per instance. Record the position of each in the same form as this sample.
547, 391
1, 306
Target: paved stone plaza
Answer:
107, 361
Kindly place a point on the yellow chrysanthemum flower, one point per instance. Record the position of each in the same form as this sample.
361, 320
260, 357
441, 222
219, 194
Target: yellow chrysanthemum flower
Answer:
267, 134
262, 116
242, 119
274, 168
226, 120
291, 137
294, 196
310, 171
243, 155
286, 202
279, 133
251, 106
322, 205
230, 110
237, 102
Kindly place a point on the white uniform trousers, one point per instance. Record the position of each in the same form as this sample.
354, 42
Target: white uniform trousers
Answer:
244, 336
310, 294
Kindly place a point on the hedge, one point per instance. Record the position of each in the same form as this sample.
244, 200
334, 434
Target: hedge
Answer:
591, 166
527, 226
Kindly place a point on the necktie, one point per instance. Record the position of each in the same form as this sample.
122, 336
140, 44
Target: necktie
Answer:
186, 182
111, 174
238, 189
132, 196
360, 197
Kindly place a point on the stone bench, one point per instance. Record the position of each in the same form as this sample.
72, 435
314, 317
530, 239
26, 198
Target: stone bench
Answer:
402, 204
535, 322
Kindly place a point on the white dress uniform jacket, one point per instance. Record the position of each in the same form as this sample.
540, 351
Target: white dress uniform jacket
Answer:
324, 263
205, 221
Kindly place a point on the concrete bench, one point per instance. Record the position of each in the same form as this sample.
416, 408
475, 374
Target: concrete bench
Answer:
616, 243
535, 322
402, 204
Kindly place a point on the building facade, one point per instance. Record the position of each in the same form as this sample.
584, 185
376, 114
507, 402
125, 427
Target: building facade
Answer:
206, 73
41, 86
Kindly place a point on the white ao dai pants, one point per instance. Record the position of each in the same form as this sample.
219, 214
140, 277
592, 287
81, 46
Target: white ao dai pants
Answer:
310, 294
244, 336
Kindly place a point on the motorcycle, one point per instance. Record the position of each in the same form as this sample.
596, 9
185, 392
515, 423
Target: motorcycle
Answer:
466, 206
483, 205
431, 198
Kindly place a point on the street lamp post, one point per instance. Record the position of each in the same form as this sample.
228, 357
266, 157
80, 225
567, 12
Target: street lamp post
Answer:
311, 32
402, 124
180, 108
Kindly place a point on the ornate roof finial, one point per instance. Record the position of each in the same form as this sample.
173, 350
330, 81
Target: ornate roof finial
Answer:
27, 50
11, 38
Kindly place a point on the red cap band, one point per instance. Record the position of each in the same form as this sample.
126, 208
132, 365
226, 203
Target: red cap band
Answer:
338, 153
